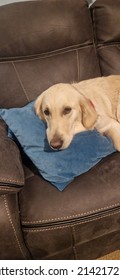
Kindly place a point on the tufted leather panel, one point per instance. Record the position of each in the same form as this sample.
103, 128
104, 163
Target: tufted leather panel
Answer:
46, 211
86, 239
46, 26
44, 50
83, 200
106, 18
106, 24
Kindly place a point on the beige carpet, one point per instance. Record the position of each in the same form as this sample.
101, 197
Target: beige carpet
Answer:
113, 256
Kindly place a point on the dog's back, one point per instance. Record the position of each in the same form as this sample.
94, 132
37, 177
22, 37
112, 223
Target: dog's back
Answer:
104, 92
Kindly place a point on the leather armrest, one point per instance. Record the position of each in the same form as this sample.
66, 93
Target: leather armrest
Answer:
11, 170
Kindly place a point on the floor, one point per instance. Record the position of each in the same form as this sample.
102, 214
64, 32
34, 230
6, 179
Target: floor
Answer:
113, 256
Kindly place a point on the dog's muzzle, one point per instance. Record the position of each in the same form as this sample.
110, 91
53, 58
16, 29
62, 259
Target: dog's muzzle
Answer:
56, 142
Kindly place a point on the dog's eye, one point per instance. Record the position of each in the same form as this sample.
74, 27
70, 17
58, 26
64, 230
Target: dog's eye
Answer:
47, 112
66, 110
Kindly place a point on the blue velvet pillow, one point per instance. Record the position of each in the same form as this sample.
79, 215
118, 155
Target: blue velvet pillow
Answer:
57, 167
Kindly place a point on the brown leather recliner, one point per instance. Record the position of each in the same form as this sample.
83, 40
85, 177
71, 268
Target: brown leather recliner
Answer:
43, 43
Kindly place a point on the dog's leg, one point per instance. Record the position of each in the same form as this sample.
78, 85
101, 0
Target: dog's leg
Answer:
110, 128
114, 133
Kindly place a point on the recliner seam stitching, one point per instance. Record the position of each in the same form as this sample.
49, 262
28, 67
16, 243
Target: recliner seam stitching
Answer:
73, 216
66, 226
10, 181
12, 225
20, 82
6, 189
73, 246
44, 55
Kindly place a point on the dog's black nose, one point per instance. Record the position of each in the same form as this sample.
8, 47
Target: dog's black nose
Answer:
56, 143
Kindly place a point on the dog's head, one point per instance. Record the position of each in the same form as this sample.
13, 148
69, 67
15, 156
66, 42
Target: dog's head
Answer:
66, 113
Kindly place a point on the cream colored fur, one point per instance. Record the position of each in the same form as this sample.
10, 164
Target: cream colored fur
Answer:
67, 109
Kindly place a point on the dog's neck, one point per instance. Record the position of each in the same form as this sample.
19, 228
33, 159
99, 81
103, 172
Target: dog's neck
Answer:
90, 101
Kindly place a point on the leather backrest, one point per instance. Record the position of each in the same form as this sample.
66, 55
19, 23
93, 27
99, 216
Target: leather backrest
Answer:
106, 26
43, 43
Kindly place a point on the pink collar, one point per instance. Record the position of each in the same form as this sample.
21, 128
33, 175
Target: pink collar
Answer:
91, 103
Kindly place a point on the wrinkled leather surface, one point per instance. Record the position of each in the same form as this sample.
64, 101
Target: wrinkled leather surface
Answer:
56, 47
79, 240
12, 245
60, 41
11, 169
42, 22
106, 22
82, 199
106, 18
85, 212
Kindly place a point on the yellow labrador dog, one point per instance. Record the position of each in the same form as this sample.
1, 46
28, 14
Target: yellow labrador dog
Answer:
71, 108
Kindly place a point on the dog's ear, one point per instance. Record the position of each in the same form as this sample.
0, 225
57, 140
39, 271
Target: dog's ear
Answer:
38, 107
89, 114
